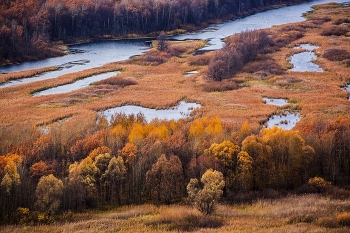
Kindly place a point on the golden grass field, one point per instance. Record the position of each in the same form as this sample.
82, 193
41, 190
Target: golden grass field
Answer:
160, 86
318, 95
307, 213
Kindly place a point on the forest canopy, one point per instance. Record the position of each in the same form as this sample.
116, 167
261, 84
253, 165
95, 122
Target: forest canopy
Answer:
27, 28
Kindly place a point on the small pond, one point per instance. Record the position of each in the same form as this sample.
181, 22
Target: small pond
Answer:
182, 110
190, 73
348, 89
76, 85
303, 61
277, 102
80, 57
286, 121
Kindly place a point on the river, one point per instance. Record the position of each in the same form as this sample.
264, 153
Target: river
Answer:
96, 54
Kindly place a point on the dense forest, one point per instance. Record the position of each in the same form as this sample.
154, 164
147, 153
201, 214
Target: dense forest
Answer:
73, 166
27, 28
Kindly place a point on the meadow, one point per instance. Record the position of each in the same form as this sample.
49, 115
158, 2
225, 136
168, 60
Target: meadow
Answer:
305, 213
161, 82
157, 80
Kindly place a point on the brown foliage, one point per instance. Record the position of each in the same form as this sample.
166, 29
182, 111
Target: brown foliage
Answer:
220, 86
336, 54
341, 21
266, 65
39, 169
334, 31
116, 81
84, 147
200, 60
238, 50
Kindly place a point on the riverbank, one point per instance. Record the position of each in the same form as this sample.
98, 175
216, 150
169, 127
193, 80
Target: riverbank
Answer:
58, 48
304, 213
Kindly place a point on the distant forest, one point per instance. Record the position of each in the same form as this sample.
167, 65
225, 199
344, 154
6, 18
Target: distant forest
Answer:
27, 28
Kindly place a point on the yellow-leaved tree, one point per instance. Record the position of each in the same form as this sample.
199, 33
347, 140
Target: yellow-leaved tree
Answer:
205, 199
49, 192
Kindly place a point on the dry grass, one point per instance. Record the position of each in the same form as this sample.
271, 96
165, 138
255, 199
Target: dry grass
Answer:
336, 54
306, 213
161, 86
25, 74
226, 85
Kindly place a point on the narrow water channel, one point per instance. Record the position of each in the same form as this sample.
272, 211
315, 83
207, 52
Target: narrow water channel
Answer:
286, 120
102, 52
182, 110
303, 62
76, 85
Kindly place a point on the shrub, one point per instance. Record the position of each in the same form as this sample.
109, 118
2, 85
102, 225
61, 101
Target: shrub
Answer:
238, 50
115, 81
327, 222
342, 20
199, 60
301, 219
335, 54
185, 219
220, 86
320, 19
343, 219
205, 199
334, 31
264, 64
318, 183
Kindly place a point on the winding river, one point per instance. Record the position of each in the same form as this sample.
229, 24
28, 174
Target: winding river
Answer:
95, 54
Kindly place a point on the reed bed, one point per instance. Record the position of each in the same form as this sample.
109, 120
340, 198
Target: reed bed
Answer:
25, 74
305, 213
163, 85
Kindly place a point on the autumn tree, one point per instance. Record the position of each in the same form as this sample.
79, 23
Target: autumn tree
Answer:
39, 169
113, 177
288, 155
165, 179
225, 153
162, 42
49, 193
244, 171
262, 161
206, 198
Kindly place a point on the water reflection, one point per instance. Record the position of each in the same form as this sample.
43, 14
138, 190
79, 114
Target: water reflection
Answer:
276, 102
216, 33
190, 73
91, 55
182, 110
303, 61
76, 85
285, 121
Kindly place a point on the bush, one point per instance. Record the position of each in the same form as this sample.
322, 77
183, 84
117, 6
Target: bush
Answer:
341, 21
334, 31
265, 64
220, 86
343, 219
327, 222
238, 50
320, 19
115, 81
318, 183
185, 219
199, 60
335, 54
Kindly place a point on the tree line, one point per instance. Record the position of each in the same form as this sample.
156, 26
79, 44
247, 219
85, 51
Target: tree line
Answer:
129, 161
27, 28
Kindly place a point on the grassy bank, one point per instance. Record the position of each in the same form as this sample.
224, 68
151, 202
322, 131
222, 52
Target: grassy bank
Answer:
306, 213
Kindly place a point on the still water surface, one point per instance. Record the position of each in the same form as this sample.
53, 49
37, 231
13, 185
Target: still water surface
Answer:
102, 52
